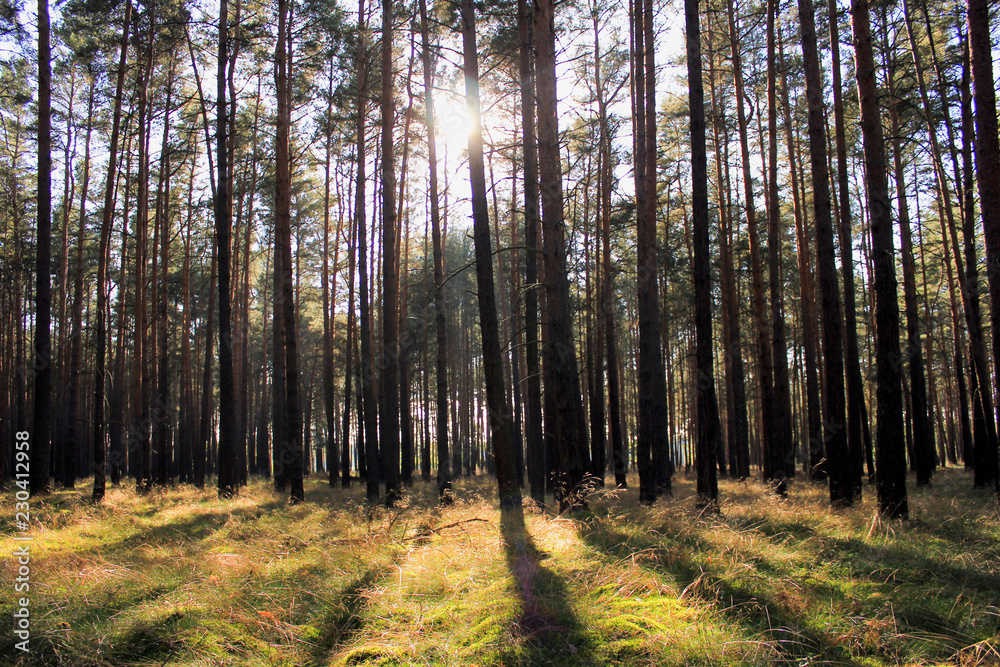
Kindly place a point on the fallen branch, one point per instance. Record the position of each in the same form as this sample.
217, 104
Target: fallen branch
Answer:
434, 531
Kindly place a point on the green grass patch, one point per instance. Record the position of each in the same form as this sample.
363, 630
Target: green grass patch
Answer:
179, 577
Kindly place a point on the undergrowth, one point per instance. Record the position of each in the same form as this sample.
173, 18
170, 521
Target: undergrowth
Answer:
179, 577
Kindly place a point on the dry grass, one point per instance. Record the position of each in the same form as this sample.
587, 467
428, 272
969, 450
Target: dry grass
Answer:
181, 578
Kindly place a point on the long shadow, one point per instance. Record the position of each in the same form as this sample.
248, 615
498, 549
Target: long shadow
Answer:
754, 608
548, 630
344, 619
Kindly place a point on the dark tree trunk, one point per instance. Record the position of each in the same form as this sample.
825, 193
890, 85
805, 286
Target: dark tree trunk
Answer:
291, 462
107, 216
783, 442
856, 410
835, 434
562, 379
534, 442
41, 433
389, 364
228, 482
496, 394
708, 428
891, 456
988, 178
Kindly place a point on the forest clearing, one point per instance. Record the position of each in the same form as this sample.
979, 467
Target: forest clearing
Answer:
179, 577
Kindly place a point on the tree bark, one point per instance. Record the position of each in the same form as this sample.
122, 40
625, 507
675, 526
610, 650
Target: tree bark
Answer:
891, 456
834, 434
563, 379
708, 427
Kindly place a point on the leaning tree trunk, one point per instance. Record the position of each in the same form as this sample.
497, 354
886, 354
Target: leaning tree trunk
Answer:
100, 461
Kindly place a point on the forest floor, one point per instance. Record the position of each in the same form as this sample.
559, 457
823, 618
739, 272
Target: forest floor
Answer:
181, 578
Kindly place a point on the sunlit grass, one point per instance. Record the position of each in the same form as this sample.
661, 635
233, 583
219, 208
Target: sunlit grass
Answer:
181, 578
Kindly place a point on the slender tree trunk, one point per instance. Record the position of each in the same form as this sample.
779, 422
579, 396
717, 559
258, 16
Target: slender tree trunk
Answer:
774, 446
41, 433
708, 427
292, 408
922, 426
834, 435
389, 364
563, 380
328, 402
775, 235
891, 463
143, 365
534, 442
102, 268
496, 394
988, 178
228, 482
856, 411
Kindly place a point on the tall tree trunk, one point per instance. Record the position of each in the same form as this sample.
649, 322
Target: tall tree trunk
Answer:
891, 463
76, 333
292, 408
496, 393
440, 316
107, 216
708, 427
835, 435
652, 428
389, 364
162, 411
922, 426
775, 237
856, 411
333, 468
534, 442
988, 179
41, 433
563, 379
370, 415
228, 482
774, 445
142, 361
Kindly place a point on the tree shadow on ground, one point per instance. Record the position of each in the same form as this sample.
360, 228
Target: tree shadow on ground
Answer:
760, 611
344, 617
546, 630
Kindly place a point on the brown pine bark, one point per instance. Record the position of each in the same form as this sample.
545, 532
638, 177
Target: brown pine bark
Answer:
100, 460
891, 457
773, 434
332, 458
498, 406
842, 490
988, 179
856, 409
41, 433
389, 362
534, 442
292, 408
562, 377
708, 430
921, 424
